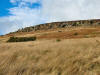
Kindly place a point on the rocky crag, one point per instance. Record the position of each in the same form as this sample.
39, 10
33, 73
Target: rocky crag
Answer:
54, 25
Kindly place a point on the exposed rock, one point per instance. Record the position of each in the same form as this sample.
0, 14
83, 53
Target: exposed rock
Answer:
61, 25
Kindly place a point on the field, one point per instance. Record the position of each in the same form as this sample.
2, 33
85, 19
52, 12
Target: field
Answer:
58, 52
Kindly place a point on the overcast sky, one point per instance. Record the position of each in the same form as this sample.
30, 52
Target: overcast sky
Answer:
15, 14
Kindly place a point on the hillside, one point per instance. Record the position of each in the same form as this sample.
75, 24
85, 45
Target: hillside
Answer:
49, 57
60, 48
63, 30
56, 25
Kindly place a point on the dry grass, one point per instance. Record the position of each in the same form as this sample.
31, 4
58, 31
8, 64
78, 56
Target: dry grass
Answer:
61, 33
49, 57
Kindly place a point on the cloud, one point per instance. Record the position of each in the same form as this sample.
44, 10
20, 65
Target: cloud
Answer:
62, 10
21, 16
7, 25
13, 1
26, 14
31, 1
21, 3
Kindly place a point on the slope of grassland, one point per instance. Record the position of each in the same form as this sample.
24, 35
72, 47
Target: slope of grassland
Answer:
61, 33
64, 51
51, 57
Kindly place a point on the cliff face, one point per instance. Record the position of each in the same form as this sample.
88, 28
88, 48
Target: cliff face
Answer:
61, 25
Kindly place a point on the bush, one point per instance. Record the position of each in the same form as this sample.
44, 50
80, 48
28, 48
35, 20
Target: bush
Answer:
91, 22
21, 39
75, 33
58, 40
59, 31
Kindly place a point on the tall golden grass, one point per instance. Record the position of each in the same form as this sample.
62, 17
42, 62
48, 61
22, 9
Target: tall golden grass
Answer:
49, 57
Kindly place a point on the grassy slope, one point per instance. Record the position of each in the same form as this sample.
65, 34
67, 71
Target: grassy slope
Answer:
62, 33
49, 57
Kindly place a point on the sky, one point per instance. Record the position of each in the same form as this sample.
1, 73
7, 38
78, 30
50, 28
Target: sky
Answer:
17, 14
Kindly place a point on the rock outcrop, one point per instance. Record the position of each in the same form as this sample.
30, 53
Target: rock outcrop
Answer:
61, 25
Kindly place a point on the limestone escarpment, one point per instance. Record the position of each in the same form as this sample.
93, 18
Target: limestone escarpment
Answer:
61, 25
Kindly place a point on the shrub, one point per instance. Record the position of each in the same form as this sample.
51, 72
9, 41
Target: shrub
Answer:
76, 33
91, 22
74, 24
58, 40
21, 39
59, 31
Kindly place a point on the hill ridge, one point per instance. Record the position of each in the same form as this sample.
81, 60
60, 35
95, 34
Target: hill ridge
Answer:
63, 24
